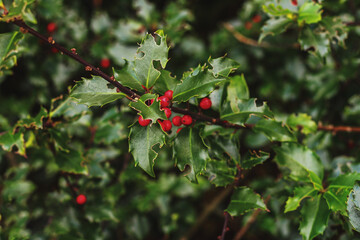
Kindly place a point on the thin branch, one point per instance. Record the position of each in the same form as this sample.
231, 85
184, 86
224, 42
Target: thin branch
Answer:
251, 220
243, 39
225, 227
251, 42
207, 211
133, 96
73, 55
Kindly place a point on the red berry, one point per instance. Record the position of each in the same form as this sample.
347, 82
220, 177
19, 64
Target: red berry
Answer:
176, 121
179, 129
186, 120
256, 18
167, 112
54, 50
144, 122
51, 27
205, 103
164, 101
248, 25
169, 94
81, 199
105, 63
166, 125
294, 2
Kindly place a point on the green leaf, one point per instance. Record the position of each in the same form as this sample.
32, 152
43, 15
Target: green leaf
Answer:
274, 131
36, 122
71, 161
253, 159
222, 146
108, 133
316, 181
223, 66
338, 191
189, 150
152, 112
240, 112
237, 89
94, 92
314, 41
144, 144
353, 207
300, 160
220, 173
299, 194
127, 77
243, 200
8, 140
198, 83
8, 50
144, 66
276, 11
68, 108
274, 27
165, 82
309, 13
315, 214
335, 29
303, 122
19, 11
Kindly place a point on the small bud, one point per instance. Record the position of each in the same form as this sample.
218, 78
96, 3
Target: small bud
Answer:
88, 68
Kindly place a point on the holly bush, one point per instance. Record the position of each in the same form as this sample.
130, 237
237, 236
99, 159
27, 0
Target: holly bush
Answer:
204, 120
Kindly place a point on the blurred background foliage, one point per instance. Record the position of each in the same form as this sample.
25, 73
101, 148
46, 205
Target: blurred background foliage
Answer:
123, 201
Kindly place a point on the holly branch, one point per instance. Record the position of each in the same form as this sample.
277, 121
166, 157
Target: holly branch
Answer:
133, 96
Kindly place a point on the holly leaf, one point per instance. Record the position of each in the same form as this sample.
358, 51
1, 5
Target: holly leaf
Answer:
253, 159
189, 150
315, 214
274, 131
314, 41
127, 77
19, 11
8, 50
335, 29
243, 200
220, 173
68, 108
300, 160
71, 161
144, 66
237, 89
36, 122
274, 26
152, 112
94, 92
303, 122
221, 146
108, 133
309, 13
300, 193
338, 191
223, 66
8, 140
144, 145
276, 11
240, 112
353, 207
198, 83
165, 82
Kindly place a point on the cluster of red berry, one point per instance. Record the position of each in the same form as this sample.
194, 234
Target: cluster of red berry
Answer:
166, 125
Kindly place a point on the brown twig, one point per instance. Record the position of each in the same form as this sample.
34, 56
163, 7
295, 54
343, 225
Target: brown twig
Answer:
251, 42
206, 212
225, 227
251, 220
